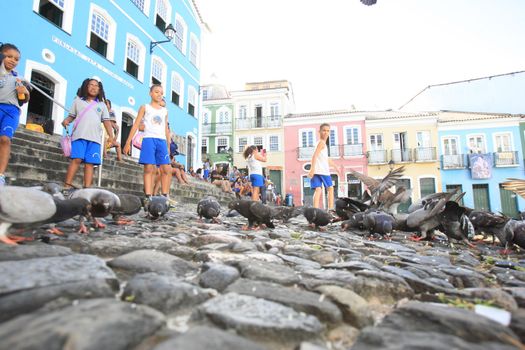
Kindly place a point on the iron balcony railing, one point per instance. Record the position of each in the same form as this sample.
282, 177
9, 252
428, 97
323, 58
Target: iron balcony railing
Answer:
217, 128
401, 155
377, 157
336, 151
353, 150
272, 121
506, 158
425, 154
305, 152
453, 161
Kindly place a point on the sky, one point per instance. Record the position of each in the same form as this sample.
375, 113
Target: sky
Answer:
341, 54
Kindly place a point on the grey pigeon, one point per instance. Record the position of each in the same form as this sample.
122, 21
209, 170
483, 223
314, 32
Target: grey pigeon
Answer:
455, 223
158, 207
317, 217
514, 233
23, 207
355, 221
242, 206
262, 213
345, 207
377, 221
286, 213
103, 202
129, 205
488, 223
209, 208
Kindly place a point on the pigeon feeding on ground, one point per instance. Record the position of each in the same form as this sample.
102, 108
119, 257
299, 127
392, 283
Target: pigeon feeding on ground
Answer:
513, 233
209, 208
103, 202
455, 224
317, 217
286, 213
157, 207
24, 208
345, 207
255, 212
355, 221
377, 221
129, 205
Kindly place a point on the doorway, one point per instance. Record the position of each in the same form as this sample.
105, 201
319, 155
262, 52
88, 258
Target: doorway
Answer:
40, 107
481, 197
127, 123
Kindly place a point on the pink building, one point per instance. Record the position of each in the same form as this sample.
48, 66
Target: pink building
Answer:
347, 150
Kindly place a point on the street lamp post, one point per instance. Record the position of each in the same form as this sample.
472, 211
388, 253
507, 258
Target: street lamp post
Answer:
170, 34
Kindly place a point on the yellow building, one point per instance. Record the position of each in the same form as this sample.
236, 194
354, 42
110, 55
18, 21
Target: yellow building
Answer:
408, 139
258, 120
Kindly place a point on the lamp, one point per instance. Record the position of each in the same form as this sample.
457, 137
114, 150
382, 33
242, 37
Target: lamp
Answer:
170, 34
391, 164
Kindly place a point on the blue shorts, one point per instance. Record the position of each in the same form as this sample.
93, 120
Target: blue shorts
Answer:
154, 151
9, 117
88, 151
319, 180
257, 180
206, 173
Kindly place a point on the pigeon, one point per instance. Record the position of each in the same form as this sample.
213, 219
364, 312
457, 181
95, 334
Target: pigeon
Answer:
377, 221
455, 224
345, 207
382, 197
129, 205
488, 223
286, 213
157, 207
317, 217
103, 202
23, 207
368, 2
263, 213
513, 233
255, 212
209, 207
355, 221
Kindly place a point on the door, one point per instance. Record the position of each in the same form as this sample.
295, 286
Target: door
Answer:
258, 117
424, 146
40, 107
308, 193
354, 187
376, 154
127, 123
481, 197
276, 178
400, 153
509, 202
403, 207
427, 185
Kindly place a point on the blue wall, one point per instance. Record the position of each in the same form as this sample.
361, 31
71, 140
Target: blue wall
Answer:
499, 174
64, 55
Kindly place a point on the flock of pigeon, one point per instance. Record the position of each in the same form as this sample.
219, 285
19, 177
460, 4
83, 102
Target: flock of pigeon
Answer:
31, 207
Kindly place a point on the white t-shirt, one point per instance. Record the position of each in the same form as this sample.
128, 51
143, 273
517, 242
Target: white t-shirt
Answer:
254, 166
321, 162
155, 122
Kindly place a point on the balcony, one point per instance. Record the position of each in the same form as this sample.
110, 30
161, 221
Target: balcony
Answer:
353, 150
503, 159
334, 151
453, 161
217, 128
425, 154
401, 155
305, 152
274, 121
376, 157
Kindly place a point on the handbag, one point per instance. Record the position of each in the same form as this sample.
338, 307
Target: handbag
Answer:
137, 139
65, 141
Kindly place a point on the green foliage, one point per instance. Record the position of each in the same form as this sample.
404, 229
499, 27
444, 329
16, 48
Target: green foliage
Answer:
464, 303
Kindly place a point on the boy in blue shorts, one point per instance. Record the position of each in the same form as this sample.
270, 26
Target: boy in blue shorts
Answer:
320, 169
11, 91
88, 111
155, 144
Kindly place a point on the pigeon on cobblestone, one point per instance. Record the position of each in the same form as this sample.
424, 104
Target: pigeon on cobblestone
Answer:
286, 213
256, 212
25, 208
242, 206
158, 207
317, 217
345, 207
455, 224
209, 208
129, 205
513, 233
377, 221
103, 202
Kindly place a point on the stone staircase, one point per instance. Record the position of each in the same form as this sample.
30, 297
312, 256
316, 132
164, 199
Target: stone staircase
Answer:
37, 158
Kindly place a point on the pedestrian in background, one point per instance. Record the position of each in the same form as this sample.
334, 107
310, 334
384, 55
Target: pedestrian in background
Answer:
254, 158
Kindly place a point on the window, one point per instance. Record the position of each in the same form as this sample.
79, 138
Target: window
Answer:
53, 10
99, 34
427, 185
274, 143
222, 144
423, 139
176, 88
242, 112
204, 94
503, 142
376, 142
476, 144
351, 135
242, 143
139, 4
192, 102
194, 50
158, 71
258, 141
204, 145
205, 118
163, 13
133, 59
333, 137
450, 146
307, 138
180, 33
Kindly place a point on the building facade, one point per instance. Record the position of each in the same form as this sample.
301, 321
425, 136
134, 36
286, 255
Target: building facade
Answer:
347, 151
217, 125
111, 41
404, 139
478, 152
258, 120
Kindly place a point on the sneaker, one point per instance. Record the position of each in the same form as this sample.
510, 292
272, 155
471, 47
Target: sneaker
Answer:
2, 180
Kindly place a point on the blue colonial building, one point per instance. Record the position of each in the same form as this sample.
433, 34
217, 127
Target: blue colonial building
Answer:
65, 41
478, 152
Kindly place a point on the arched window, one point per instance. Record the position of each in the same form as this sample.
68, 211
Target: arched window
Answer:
180, 33
162, 14
158, 71
135, 57
177, 87
194, 50
192, 100
102, 31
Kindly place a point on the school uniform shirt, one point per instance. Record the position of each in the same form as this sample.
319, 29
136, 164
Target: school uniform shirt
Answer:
8, 93
89, 128
155, 122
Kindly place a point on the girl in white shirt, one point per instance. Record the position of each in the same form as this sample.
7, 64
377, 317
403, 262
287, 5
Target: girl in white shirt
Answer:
253, 158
